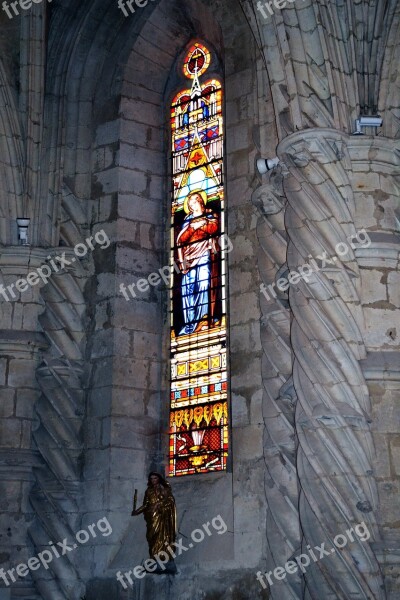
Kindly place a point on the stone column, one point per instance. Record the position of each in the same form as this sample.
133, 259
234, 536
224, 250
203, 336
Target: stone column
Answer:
20, 351
335, 455
43, 404
60, 410
279, 398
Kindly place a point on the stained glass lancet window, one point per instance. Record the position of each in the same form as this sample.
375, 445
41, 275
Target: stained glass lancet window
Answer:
198, 297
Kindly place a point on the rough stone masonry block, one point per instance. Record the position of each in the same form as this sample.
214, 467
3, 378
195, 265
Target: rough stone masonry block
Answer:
10, 433
382, 328
248, 442
130, 433
103, 343
99, 401
139, 316
141, 112
239, 411
103, 375
365, 181
133, 207
207, 531
146, 345
14, 533
10, 493
127, 463
142, 159
97, 464
133, 402
93, 432
395, 455
108, 180
21, 373
240, 338
121, 499
105, 589
244, 308
244, 376
394, 288
105, 285
386, 412
388, 492
139, 261
135, 373
372, 289
382, 462
238, 138
108, 133
6, 403
144, 136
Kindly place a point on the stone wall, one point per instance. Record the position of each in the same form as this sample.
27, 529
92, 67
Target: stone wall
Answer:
127, 407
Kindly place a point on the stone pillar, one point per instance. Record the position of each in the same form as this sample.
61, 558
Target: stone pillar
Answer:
43, 404
20, 350
60, 410
279, 398
335, 457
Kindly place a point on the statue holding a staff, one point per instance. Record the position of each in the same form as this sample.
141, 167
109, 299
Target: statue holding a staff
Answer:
160, 515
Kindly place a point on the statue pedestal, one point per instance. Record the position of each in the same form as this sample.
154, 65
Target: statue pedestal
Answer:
168, 569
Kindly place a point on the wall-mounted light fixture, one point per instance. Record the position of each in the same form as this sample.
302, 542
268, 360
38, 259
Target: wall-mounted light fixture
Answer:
23, 225
366, 121
266, 164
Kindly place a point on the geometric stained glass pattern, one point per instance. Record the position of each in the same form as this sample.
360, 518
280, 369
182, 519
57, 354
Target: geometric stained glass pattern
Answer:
198, 311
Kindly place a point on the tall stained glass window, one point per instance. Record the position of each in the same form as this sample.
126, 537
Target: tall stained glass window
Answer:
198, 298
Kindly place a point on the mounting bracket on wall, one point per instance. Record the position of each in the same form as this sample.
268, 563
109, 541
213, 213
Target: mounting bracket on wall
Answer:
267, 164
23, 225
366, 121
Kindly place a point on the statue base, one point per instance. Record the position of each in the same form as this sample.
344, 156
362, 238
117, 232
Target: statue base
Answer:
168, 568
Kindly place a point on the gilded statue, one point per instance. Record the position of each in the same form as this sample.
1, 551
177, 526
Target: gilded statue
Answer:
160, 515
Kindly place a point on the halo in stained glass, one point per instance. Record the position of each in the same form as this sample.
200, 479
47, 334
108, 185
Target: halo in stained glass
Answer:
197, 61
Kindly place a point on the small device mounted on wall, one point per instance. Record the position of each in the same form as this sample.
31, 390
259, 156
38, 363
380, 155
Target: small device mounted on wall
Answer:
266, 164
23, 225
367, 121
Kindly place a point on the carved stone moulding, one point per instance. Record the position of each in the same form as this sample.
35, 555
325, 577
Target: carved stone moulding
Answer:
382, 252
381, 366
15, 462
14, 258
374, 153
19, 260
20, 343
359, 153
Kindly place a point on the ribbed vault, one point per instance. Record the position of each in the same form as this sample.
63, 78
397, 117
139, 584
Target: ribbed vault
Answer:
330, 61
